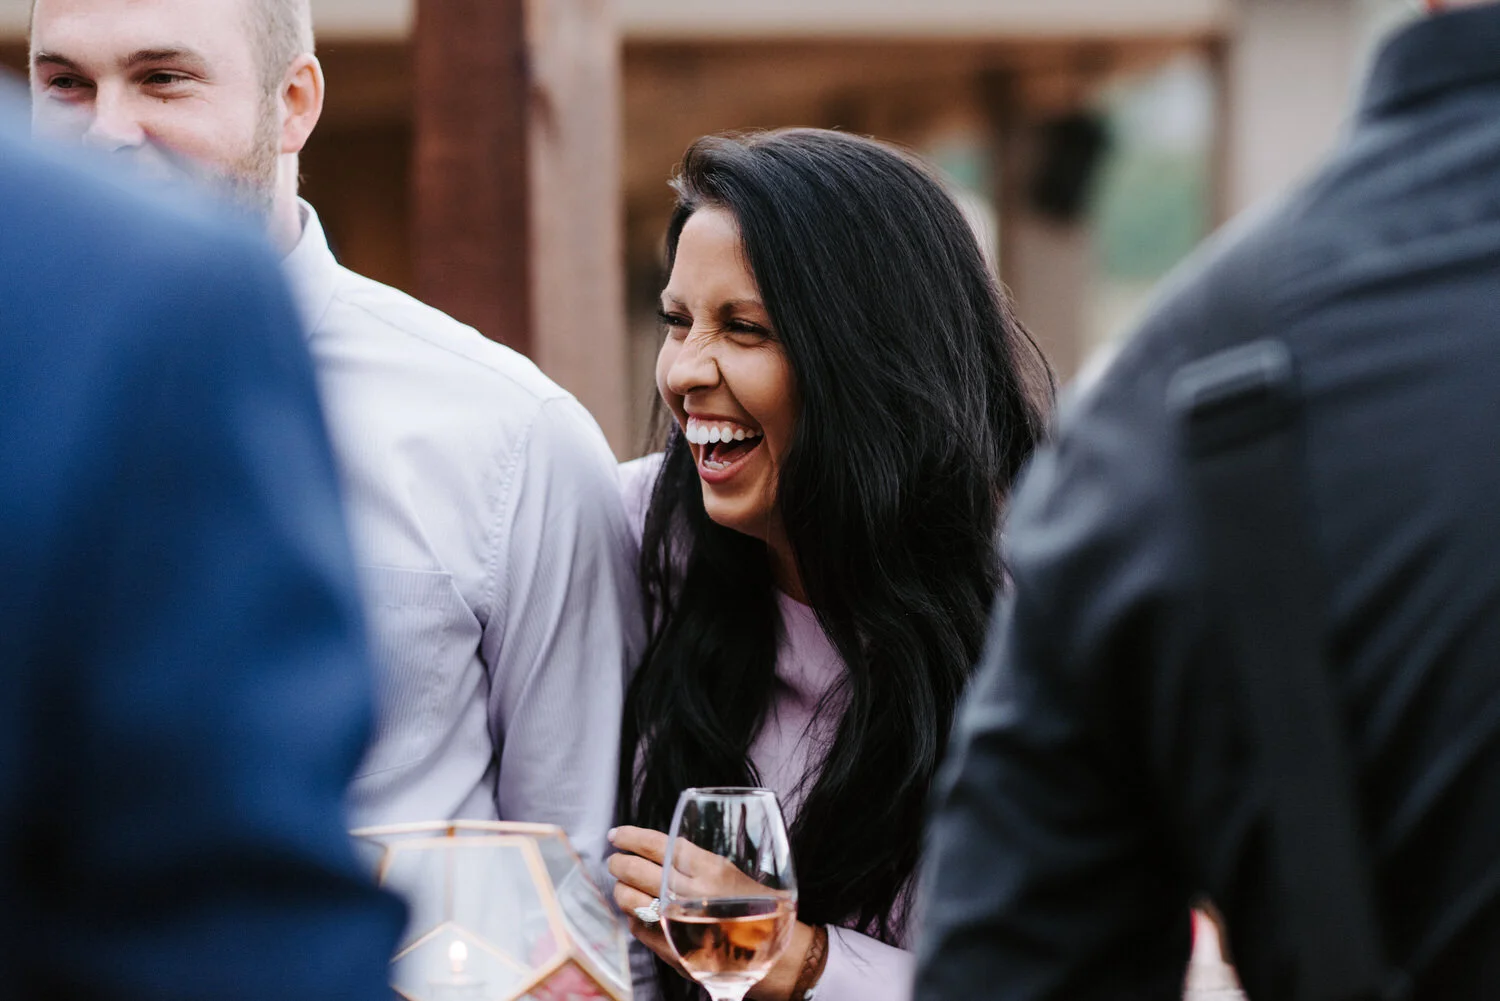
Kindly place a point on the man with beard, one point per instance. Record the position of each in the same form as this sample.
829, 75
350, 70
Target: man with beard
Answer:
483, 500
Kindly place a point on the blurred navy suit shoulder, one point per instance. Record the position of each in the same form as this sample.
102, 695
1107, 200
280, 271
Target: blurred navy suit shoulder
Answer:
1100, 780
186, 691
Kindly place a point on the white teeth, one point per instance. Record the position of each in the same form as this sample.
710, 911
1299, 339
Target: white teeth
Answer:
702, 433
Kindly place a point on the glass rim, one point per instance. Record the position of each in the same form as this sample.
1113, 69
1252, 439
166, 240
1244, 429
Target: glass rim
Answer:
726, 792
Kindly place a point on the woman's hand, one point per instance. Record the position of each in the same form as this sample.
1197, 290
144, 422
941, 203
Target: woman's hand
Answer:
638, 875
638, 881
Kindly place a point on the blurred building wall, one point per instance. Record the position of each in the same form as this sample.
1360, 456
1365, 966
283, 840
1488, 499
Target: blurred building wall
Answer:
1293, 69
1290, 75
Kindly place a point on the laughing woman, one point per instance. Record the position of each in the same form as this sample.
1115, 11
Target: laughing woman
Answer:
851, 400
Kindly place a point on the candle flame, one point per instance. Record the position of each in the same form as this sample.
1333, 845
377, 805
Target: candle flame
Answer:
458, 955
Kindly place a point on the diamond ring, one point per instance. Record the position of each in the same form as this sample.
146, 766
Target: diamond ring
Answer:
651, 913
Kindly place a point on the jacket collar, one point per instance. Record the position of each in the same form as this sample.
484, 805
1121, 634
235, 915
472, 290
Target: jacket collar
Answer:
312, 270
1438, 53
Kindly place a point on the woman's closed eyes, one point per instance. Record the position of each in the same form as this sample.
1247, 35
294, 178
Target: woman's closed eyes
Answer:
679, 321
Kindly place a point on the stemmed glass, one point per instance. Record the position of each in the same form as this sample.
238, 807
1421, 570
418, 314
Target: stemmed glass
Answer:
728, 892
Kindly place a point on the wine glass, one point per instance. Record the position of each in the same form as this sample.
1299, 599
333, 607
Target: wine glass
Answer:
728, 892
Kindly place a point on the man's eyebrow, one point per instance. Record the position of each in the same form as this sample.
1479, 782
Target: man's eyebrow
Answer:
175, 53
171, 53
53, 59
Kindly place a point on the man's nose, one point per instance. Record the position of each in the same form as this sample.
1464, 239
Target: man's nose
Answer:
114, 125
695, 368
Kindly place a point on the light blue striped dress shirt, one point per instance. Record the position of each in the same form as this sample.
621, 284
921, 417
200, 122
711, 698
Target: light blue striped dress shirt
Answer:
485, 510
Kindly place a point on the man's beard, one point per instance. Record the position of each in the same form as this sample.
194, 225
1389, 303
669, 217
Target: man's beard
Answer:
250, 182
247, 184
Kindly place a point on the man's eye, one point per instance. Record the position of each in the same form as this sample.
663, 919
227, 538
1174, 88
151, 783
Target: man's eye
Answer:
65, 83
673, 319
164, 79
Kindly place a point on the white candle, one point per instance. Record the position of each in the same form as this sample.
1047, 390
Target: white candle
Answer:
458, 985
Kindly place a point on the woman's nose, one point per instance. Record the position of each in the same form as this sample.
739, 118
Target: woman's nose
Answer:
695, 367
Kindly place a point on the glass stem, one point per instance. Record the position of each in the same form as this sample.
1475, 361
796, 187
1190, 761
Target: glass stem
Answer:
728, 994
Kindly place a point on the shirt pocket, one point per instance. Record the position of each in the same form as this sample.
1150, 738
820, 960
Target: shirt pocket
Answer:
416, 622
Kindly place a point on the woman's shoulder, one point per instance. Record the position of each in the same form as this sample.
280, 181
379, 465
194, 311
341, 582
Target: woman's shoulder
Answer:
637, 478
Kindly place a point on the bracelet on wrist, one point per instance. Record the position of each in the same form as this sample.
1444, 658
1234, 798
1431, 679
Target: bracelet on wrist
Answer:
805, 989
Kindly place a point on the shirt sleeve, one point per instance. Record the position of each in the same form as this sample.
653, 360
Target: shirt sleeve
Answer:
861, 968
564, 631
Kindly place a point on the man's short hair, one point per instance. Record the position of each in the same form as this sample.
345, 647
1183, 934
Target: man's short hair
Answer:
282, 30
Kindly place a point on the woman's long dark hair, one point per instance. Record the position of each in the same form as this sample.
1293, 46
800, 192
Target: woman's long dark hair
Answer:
919, 398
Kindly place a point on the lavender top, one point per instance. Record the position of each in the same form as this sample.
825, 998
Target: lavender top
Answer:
859, 968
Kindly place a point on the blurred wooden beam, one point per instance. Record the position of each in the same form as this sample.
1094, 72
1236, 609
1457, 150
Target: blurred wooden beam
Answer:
369, 83
578, 208
471, 220
13, 60
517, 185
1044, 263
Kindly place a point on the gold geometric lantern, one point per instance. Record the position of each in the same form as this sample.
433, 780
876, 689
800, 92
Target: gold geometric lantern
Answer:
498, 912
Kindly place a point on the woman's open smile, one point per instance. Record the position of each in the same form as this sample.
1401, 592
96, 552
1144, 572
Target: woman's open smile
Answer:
721, 447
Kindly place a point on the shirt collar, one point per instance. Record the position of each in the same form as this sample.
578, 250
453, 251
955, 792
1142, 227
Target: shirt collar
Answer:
312, 270
1436, 54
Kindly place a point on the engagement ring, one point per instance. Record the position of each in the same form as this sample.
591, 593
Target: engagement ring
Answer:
651, 913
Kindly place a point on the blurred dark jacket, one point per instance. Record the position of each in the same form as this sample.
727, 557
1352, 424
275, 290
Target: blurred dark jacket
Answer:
186, 693
1101, 778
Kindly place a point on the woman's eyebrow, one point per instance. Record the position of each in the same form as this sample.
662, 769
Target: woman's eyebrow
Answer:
730, 305
725, 308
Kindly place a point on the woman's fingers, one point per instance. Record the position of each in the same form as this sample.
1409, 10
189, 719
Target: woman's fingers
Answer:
639, 841
651, 935
652, 938
628, 898
687, 859
696, 871
637, 872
